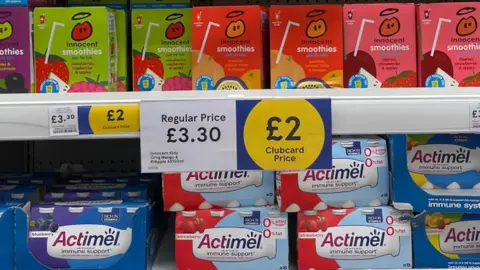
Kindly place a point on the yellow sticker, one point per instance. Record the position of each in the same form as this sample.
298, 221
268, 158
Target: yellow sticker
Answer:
108, 119
284, 134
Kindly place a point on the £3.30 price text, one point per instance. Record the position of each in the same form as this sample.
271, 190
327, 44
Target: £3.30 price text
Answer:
200, 134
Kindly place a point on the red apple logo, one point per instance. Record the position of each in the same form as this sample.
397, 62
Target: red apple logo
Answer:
42, 18
139, 19
83, 30
175, 29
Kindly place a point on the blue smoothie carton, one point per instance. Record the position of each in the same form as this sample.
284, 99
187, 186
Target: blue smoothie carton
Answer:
97, 191
436, 172
359, 177
205, 190
242, 239
112, 235
446, 240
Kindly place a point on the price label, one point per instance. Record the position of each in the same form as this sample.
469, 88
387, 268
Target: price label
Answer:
284, 134
63, 121
236, 135
474, 115
109, 119
188, 135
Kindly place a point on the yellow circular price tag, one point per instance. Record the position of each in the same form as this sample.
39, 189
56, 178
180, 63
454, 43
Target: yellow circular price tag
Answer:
108, 119
284, 134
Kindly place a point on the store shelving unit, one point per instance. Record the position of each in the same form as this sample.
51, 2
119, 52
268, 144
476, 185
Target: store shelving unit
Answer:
370, 111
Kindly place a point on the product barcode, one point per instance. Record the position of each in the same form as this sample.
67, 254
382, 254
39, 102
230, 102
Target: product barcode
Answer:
61, 131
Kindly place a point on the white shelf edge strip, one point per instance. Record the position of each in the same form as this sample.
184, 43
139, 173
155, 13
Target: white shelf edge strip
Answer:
354, 111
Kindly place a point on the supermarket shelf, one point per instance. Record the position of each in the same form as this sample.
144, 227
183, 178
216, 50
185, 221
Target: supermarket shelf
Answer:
365, 111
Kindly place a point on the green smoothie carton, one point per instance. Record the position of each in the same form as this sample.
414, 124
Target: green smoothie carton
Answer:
122, 42
75, 49
161, 49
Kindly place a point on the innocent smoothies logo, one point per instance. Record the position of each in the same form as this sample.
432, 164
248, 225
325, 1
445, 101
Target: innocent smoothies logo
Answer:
234, 245
173, 33
234, 31
315, 29
7, 48
388, 29
80, 33
466, 26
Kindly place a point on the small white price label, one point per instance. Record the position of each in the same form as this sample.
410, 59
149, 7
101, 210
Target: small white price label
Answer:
474, 116
188, 135
63, 121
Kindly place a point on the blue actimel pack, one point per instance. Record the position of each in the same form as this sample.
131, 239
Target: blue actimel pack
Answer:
112, 235
97, 191
7, 227
446, 240
436, 173
14, 195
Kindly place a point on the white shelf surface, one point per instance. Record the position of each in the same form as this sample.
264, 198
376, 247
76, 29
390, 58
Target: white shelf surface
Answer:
354, 111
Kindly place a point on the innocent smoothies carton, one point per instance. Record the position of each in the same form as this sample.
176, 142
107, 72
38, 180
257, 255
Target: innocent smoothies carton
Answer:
230, 48
161, 43
356, 238
224, 239
380, 45
15, 50
75, 49
359, 177
449, 44
205, 190
306, 46
446, 240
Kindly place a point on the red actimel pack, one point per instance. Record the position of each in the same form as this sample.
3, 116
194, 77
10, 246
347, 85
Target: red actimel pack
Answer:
208, 190
240, 239
355, 238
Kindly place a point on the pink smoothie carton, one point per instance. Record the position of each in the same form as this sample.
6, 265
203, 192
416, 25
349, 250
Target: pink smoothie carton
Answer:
205, 190
380, 46
15, 50
449, 45
356, 238
240, 239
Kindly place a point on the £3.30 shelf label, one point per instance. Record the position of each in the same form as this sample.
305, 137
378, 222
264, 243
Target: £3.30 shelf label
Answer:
235, 135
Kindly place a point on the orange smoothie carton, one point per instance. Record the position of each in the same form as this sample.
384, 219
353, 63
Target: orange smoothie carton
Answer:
229, 47
449, 50
306, 46
380, 45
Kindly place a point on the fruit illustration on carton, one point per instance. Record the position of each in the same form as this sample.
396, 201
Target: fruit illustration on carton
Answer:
15, 63
73, 50
448, 55
229, 47
380, 44
161, 50
306, 47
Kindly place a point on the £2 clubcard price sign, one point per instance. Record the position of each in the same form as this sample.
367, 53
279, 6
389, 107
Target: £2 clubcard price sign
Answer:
284, 134
235, 135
